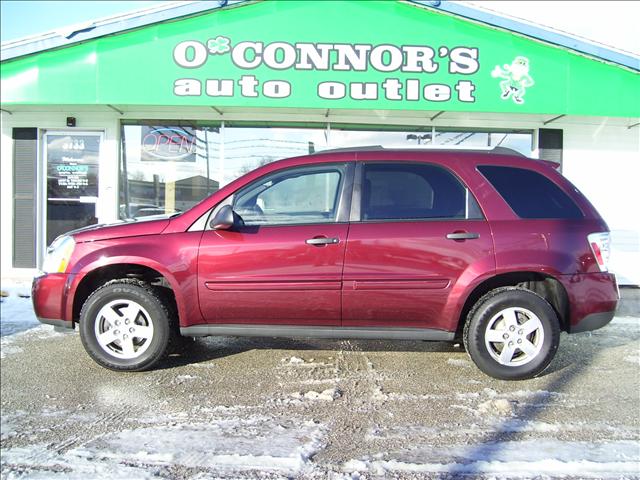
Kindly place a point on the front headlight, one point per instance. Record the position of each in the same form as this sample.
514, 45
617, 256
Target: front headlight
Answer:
58, 254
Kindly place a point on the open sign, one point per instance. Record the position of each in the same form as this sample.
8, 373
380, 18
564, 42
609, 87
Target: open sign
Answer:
173, 144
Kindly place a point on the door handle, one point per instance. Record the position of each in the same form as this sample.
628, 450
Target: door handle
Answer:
320, 241
463, 236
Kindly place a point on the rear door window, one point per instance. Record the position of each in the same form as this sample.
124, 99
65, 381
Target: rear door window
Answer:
402, 191
530, 194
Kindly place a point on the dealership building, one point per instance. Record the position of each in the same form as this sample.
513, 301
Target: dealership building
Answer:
150, 112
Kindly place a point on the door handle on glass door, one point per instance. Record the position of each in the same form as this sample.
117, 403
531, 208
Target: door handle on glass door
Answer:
320, 241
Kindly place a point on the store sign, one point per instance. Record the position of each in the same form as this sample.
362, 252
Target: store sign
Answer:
350, 55
418, 61
167, 144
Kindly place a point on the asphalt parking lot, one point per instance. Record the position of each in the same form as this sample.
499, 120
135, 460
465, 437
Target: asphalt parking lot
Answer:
280, 408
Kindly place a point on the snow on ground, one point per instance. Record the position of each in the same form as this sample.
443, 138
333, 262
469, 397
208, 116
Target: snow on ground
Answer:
256, 443
16, 311
17, 318
253, 443
338, 410
523, 458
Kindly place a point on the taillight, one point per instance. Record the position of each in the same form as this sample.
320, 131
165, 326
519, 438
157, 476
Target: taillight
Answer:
600, 246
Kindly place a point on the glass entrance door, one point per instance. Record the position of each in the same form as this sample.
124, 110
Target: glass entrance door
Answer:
72, 180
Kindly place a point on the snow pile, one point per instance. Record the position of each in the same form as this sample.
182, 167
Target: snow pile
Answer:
500, 407
180, 379
493, 404
295, 360
328, 395
301, 362
459, 362
379, 395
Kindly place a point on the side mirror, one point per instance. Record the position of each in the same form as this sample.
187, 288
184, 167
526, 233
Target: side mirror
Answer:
224, 219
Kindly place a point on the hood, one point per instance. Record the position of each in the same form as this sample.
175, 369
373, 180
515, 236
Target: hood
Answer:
151, 225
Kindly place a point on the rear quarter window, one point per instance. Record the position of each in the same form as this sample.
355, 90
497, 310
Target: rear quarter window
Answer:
530, 194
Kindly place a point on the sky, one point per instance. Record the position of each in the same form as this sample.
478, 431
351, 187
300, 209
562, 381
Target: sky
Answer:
23, 18
612, 23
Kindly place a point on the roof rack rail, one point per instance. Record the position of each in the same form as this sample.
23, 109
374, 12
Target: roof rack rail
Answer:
366, 148
369, 148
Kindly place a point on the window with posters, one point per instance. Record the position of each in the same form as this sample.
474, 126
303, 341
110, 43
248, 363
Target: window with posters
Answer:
72, 180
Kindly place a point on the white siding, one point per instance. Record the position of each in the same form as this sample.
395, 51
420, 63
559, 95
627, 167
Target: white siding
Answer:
601, 156
604, 162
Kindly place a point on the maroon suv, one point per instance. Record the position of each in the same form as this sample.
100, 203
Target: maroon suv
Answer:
489, 247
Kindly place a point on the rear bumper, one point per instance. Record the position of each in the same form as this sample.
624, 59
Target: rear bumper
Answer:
593, 322
593, 298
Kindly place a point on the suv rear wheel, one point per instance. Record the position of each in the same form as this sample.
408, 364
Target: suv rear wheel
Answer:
512, 333
125, 325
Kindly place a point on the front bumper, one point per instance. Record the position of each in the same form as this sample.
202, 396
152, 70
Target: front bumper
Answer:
49, 297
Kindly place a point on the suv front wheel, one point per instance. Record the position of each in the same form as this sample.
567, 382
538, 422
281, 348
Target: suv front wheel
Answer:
512, 333
125, 325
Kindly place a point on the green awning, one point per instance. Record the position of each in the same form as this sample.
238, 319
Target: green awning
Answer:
335, 55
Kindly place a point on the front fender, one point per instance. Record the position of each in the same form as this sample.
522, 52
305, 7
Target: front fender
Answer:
173, 256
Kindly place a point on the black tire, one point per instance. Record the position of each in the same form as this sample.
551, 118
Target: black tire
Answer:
494, 315
116, 300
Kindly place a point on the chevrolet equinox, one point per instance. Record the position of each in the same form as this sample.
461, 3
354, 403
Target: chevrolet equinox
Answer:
489, 248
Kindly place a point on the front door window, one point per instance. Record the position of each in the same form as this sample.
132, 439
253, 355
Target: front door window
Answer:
298, 196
